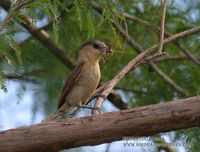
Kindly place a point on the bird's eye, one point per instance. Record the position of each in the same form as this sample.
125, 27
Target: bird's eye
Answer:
96, 46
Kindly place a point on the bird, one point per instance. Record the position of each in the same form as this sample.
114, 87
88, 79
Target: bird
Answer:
84, 79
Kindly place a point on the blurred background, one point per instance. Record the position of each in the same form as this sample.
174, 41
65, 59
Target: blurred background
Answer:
32, 70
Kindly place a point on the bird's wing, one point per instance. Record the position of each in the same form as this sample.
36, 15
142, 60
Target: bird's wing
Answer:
70, 83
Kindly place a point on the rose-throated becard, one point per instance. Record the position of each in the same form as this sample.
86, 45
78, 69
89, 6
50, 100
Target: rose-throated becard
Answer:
83, 81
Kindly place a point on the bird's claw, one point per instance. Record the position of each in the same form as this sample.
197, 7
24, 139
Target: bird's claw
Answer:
98, 109
92, 108
96, 96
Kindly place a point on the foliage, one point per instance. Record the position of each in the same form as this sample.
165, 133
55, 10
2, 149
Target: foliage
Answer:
74, 22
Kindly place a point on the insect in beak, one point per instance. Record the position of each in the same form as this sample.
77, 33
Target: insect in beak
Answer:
105, 51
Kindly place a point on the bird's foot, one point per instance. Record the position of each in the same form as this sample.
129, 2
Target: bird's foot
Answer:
92, 108
96, 96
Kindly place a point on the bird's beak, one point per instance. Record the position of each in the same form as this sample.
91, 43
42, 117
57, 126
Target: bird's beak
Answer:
106, 50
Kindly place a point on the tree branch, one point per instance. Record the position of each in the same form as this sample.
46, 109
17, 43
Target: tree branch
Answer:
131, 90
25, 3
10, 14
18, 4
181, 47
23, 76
21, 44
162, 26
18, 77
44, 38
106, 88
139, 49
156, 138
146, 23
103, 128
173, 58
188, 54
167, 79
116, 100
162, 145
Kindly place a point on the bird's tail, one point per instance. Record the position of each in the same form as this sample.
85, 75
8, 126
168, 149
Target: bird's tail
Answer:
57, 114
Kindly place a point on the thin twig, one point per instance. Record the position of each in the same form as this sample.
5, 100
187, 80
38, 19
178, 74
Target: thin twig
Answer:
152, 50
173, 84
25, 3
131, 90
173, 58
45, 27
151, 58
23, 76
137, 47
181, 47
177, 36
44, 38
162, 26
10, 14
135, 18
188, 54
18, 78
162, 145
97, 7
21, 44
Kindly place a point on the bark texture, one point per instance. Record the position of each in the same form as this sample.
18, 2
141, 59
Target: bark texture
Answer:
103, 128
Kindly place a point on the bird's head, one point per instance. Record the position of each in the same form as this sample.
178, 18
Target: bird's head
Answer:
95, 49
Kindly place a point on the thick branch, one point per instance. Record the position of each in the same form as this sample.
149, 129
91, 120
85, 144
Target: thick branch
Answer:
103, 128
156, 138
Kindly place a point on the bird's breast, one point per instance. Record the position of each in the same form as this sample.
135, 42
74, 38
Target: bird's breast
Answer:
92, 76
89, 82
85, 86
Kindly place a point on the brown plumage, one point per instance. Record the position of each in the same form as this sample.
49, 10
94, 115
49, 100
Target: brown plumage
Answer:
83, 80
